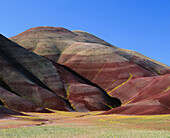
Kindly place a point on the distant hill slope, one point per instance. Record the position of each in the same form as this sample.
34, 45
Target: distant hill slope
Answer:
31, 83
110, 67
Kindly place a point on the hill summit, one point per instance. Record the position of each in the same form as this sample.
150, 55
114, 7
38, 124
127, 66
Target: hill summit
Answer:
77, 71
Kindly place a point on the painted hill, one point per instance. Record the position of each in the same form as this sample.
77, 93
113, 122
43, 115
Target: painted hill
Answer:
51, 41
93, 56
31, 83
143, 96
5, 112
122, 73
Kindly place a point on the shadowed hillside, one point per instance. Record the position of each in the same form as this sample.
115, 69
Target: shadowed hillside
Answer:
132, 77
31, 83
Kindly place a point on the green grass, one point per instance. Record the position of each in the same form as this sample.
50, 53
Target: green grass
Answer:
133, 133
87, 131
40, 132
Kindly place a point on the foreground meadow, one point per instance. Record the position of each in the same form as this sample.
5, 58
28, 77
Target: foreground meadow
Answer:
66, 124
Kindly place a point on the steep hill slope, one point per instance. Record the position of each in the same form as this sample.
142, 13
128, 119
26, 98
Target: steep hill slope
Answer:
29, 82
90, 56
145, 95
122, 73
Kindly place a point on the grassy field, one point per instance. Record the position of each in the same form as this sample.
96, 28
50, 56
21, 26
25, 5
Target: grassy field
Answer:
80, 125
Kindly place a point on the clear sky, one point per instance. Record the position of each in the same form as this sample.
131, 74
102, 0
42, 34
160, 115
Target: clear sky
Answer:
140, 25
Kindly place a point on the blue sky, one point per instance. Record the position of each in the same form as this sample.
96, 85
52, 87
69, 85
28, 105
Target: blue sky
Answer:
140, 25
